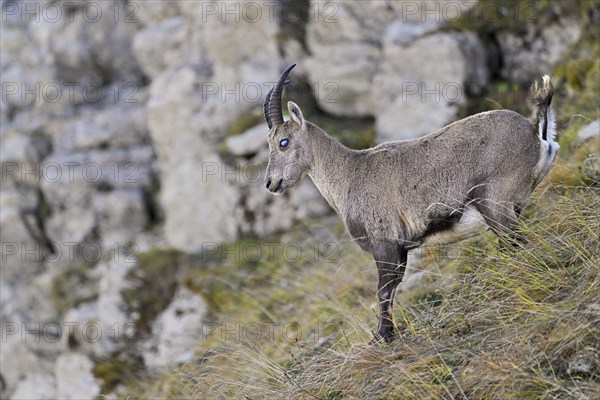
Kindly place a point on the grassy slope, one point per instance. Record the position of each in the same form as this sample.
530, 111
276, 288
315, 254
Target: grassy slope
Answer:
519, 325
484, 324
510, 325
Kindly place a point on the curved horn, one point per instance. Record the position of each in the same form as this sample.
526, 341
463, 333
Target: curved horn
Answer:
266, 105
272, 106
266, 109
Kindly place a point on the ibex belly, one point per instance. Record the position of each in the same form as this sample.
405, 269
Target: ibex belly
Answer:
470, 224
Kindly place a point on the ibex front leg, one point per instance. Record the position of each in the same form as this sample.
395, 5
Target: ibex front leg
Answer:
391, 264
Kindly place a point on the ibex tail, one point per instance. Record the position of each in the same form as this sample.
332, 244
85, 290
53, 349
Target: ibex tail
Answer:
545, 123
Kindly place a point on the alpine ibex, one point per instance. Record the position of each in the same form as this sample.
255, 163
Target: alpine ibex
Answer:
449, 185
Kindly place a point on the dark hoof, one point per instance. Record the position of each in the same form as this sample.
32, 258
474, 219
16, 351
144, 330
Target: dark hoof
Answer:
508, 244
375, 341
380, 339
507, 247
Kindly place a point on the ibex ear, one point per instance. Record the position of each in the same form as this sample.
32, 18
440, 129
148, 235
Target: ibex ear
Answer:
296, 115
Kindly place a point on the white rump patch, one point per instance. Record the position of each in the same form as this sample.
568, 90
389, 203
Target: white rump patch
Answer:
551, 119
548, 152
551, 126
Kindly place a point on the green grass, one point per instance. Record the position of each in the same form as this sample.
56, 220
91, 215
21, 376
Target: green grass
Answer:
490, 16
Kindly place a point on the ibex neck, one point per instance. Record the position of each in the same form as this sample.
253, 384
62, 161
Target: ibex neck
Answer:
331, 167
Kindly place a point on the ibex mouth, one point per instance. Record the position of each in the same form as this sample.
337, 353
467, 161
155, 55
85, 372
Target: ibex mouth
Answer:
278, 187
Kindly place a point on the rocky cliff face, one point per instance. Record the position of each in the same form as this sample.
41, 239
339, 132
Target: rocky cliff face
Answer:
128, 126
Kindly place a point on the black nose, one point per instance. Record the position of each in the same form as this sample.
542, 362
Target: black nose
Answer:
268, 183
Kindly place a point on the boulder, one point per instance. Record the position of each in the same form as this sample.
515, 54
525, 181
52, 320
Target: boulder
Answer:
344, 43
81, 331
589, 131
117, 326
74, 377
176, 332
22, 254
591, 167
24, 66
120, 216
152, 13
249, 142
421, 83
96, 51
68, 188
21, 230
189, 111
77, 185
35, 387
18, 360
116, 125
162, 45
531, 54
249, 65
585, 362
196, 199
430, 11
101, 326
31, 303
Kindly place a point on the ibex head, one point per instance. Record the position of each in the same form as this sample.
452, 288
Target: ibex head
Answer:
290, 156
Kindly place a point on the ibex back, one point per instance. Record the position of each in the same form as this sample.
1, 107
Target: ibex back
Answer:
474, 174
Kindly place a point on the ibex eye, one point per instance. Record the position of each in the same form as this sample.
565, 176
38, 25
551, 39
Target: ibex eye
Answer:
284, 143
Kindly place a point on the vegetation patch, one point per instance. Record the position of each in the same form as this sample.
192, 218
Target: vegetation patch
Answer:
245, 121
153, 282
72, 286
116, 369
490, 16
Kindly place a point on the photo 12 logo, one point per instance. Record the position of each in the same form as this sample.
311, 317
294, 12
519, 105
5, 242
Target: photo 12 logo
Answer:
269, 11
455, 92
255, 92
252, 332
70, 172
253, 252
71, 92
61, 252
55, 12
54, 332
469, 10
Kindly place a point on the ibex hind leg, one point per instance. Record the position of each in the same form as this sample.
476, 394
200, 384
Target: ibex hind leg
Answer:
503, 218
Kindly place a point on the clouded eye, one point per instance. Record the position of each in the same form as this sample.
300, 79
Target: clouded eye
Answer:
284, 143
